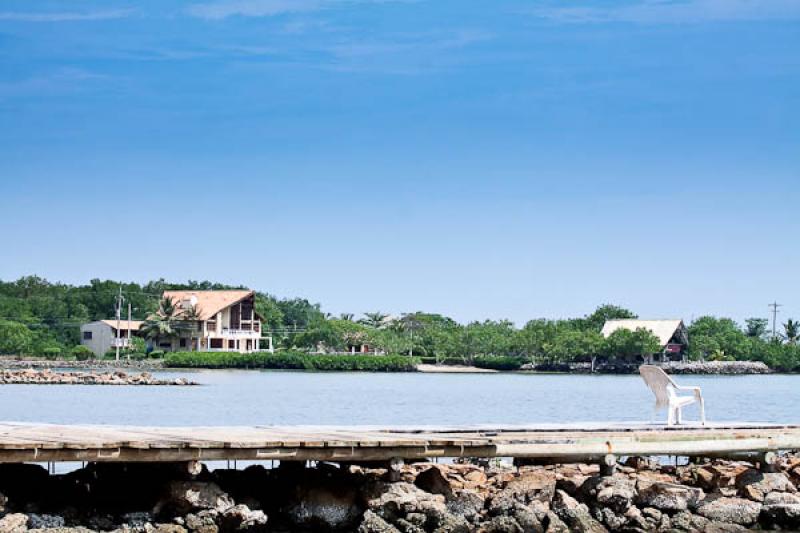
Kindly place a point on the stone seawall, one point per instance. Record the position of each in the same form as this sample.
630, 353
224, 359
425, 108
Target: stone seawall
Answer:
691, 367
11, 363
715, 496
31, 376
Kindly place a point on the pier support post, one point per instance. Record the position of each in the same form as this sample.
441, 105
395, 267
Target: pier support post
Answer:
395, 467
608, 465
768, 462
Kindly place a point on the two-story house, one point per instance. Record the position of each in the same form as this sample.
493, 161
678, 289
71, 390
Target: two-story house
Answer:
224, 321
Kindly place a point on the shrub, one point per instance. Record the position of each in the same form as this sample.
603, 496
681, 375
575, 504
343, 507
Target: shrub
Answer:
499, 362
293, 361
156, 354
51, 352
82, 353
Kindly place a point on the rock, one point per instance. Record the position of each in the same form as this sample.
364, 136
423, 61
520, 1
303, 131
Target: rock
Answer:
44, 521
396, 499
756, 485
529, 487
14, 523
553, 524
575, 515
528, 519
715, 527
183, 497
202, 522
372, 523
608, 517
331, 504
502, 524
781, 510
240, 517
669, 497
615, 492
466, 503
432, 480
732, 510
168, 528
3, 502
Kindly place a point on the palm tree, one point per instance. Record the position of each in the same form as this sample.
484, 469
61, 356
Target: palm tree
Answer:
347, 317
792, 331
161, 325
374, 320
190, 321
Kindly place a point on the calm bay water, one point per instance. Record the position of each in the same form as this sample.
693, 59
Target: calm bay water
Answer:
253, 397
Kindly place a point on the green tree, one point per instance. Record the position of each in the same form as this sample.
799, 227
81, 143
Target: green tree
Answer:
756, 327
627, 344
374, 320
15, 338
791, 330
604, 313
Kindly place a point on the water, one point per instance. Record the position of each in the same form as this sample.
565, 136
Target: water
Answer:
253, 397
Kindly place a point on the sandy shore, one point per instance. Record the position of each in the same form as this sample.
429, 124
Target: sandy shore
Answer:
442, 369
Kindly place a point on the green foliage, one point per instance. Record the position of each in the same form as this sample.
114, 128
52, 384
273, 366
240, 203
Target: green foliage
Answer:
158, 354
51, 352
755, 327
499, 362
291, 361
15, 338
626, 344
81, 352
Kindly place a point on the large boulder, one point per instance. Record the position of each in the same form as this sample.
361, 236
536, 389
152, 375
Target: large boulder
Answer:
614, 492
719, 508
182, 497
241, 518
325, 506
575, 515
669, 497
531, 486
756, 485
467, 503
372, 523
781, 510
432, 480
14, 523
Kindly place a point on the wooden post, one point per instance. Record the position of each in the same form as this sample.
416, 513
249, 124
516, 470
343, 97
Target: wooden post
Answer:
768, 462
608, 465
395, 467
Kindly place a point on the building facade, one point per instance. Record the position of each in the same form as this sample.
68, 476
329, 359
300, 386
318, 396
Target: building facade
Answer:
224, 321
100, 336
671, 333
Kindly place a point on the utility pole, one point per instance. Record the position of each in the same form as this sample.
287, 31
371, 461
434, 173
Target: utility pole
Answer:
129, 331
119, 312
774, 306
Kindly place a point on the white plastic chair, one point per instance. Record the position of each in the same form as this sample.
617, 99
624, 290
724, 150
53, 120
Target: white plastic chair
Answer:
665, 391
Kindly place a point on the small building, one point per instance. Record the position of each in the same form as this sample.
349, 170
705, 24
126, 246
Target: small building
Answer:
100, 336
222, 321
672, 334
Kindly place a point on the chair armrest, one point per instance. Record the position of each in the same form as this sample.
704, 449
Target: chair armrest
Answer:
697, 394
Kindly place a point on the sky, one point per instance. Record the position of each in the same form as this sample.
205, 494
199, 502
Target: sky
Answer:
506, 159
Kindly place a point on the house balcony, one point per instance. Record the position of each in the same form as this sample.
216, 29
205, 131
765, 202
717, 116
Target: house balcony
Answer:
228, 333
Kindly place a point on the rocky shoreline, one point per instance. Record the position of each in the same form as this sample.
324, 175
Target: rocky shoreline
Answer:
9, 363
719, 496
32, 376
673, 367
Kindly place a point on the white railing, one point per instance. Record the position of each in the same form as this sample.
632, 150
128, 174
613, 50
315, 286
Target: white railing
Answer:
121, 342
230, 333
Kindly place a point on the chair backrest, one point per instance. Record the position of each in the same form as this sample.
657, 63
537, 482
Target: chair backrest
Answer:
659, 382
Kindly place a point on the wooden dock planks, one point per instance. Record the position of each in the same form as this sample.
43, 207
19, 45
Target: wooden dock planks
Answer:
23, 442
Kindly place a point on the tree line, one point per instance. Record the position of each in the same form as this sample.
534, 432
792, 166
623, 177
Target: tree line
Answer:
39, 317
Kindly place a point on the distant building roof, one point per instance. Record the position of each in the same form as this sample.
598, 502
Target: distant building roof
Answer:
663, 329
208, 303
123, 323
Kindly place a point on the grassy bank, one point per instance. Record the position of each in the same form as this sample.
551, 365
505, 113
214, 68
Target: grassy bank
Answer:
292, 361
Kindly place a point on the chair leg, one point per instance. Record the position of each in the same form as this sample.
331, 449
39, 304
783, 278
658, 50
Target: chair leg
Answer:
679, 415
702, 412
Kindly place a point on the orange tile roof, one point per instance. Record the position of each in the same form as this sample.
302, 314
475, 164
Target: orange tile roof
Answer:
208, 303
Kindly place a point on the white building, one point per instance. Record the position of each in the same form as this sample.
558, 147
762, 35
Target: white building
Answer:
101, 335
223, 321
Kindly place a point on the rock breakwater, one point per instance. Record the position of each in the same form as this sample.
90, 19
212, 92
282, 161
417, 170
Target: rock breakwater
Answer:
32, 376
715, 496
673, 367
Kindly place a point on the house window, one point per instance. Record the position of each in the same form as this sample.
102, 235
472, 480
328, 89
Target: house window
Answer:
232, 345
87, 335
216, 343
182, 343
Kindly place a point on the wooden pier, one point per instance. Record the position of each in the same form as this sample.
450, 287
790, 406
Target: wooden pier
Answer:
25, 442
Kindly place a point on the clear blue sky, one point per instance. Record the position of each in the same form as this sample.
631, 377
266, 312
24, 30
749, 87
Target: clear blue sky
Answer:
499, 159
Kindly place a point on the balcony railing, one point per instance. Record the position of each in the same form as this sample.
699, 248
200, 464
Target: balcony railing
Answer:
121, 342
233, 333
